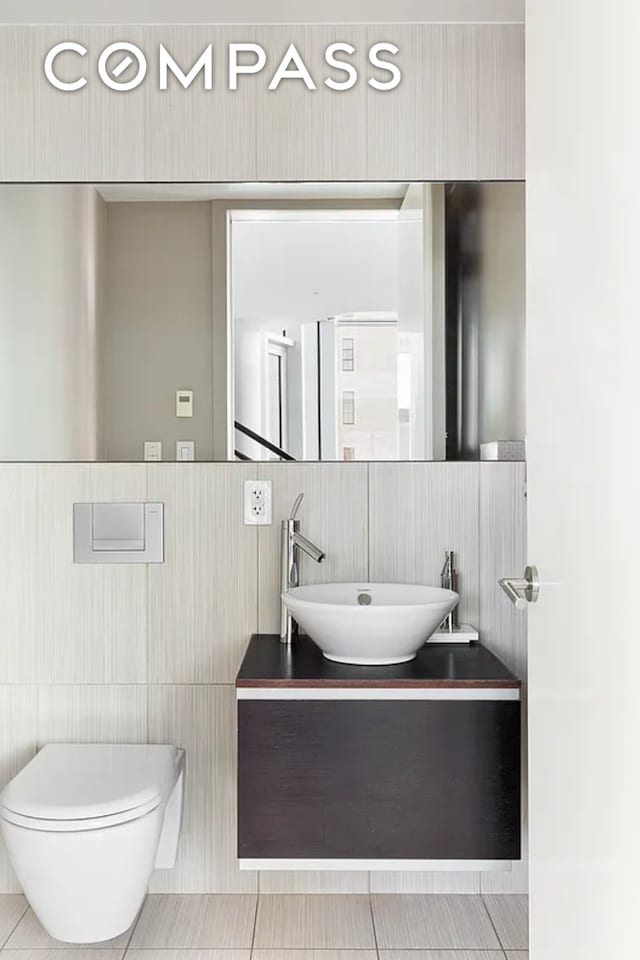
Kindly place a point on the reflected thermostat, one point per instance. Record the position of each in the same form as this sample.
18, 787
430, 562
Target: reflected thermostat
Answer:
184, 403
185, 450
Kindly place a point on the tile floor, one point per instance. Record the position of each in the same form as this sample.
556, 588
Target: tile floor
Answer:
291, 927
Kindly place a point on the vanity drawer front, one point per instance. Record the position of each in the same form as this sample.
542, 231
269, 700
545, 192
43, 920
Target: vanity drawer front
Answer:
379, 779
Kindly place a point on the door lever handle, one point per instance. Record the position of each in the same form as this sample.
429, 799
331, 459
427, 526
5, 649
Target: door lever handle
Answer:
522, 590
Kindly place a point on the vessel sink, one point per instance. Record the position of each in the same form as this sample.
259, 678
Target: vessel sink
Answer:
369, 623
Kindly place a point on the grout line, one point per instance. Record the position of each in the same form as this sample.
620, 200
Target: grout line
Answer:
373, 923
495, 930
255, 924
133, 927
4, 943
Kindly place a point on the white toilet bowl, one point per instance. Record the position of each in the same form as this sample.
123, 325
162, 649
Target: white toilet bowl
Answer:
85, 825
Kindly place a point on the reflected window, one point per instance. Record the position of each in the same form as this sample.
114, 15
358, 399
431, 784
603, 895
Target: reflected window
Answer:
347, 354
348, 408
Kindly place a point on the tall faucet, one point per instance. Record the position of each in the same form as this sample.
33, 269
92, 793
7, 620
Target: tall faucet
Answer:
292, 542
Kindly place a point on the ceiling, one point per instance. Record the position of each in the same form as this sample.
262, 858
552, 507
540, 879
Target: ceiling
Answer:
136, 192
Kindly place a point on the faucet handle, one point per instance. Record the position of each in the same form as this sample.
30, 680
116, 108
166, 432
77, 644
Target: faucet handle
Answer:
296, 506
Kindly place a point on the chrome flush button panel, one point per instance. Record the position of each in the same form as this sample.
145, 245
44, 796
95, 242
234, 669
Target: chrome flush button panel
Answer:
118, 533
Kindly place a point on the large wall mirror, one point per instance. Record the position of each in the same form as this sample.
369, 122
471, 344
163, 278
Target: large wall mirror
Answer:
299, 321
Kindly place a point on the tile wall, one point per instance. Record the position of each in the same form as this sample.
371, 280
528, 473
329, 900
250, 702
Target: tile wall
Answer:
135, 653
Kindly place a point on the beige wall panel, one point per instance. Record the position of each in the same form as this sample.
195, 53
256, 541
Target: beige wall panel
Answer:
436, 881
18, 738
92, 713
179, 123
18, 599
422, 129
92, 134
312, 134
334, 515
426, 129
202, 719
203, 599
313, 881
500, 102
90, 619
418, 511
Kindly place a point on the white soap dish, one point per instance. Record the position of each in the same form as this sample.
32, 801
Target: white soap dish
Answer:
463, 633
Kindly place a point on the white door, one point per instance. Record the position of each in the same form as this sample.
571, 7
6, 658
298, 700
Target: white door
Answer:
583, 410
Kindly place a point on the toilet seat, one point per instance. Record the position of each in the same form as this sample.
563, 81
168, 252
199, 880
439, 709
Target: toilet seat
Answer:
78, 787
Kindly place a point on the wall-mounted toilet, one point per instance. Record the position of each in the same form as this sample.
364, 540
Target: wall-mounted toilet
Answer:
85, 825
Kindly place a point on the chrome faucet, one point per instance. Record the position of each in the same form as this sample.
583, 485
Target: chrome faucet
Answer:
292, 542
449, 581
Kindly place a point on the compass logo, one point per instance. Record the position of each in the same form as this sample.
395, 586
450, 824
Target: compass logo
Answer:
123, 66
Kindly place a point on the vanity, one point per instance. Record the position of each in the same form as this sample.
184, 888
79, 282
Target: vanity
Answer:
409, 766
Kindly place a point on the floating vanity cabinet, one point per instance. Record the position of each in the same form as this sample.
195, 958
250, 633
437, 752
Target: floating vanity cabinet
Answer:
415, 765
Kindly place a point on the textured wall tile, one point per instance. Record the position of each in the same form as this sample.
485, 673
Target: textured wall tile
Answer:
500, 104
18, 738
202, 719
434, 881
203, 599
418, 511
313, 881
90, 619
18, 598
91, 713
503, 553
333, 515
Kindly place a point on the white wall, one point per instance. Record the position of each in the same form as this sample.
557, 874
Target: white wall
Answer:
289, 272
50, 252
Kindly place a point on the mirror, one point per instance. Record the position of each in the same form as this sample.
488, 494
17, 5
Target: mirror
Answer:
300, 321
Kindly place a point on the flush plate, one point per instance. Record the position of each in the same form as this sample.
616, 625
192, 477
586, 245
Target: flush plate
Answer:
118, 533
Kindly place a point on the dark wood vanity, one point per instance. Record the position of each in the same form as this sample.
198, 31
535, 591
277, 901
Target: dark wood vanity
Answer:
416, 762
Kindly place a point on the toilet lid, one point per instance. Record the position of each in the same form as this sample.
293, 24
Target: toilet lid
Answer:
72, 782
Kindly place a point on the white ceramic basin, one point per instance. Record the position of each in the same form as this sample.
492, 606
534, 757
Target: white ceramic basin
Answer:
369, 623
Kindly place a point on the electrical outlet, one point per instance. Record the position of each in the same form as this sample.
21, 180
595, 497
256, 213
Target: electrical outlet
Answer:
257, 502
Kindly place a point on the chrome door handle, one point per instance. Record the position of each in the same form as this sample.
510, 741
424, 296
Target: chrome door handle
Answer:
522, 590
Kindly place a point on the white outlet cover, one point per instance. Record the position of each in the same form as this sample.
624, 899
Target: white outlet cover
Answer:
257, 503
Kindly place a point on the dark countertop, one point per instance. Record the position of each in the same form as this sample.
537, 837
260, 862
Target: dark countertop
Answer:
269, 663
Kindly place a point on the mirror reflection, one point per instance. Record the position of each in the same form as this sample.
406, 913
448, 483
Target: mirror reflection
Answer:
335, 321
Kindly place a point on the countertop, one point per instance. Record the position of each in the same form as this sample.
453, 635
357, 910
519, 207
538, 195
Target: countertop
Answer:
269, 663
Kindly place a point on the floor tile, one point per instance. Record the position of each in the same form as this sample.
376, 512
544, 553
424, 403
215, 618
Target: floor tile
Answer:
438, 922
441, 955
517, 955
320, 922
64, 952
30, 935
314, 955
198, 921
12, 906
510, 915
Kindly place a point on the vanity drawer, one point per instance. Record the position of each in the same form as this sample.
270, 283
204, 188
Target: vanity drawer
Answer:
379, 779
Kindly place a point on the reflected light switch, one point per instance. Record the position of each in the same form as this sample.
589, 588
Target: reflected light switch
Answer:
185, 450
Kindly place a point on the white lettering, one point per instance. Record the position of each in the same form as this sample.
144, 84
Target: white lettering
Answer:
50, 60
348, 68
204, 63
235, 68
110, 77
298, 72
391, 68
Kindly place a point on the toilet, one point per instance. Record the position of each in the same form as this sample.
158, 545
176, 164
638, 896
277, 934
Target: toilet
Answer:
85, 825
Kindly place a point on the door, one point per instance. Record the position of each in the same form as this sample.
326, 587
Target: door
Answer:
583, 402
